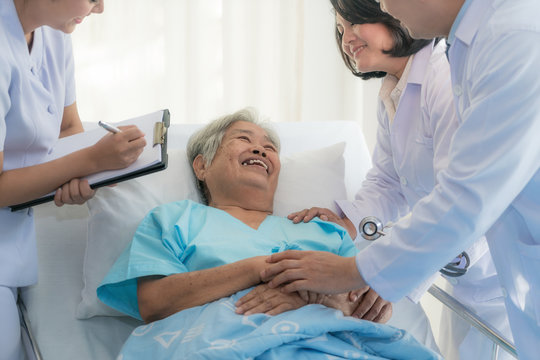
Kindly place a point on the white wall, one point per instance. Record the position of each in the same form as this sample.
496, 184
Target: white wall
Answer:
204, 58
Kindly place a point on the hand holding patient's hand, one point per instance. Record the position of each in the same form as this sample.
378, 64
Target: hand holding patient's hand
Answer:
263, 299
318, 271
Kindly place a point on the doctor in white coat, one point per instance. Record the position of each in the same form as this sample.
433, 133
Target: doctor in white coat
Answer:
492, 183
417, 121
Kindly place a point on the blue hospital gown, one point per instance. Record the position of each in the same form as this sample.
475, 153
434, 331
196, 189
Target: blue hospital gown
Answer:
186, 236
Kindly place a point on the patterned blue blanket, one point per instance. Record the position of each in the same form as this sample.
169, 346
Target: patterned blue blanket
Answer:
214, 331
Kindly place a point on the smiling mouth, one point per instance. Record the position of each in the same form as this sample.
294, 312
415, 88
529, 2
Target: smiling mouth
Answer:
255, 162
358, 50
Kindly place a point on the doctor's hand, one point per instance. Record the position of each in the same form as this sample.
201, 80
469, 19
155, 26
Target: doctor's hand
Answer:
370, 306
74, 192
117, 151
317, 271
325, 214
263, 299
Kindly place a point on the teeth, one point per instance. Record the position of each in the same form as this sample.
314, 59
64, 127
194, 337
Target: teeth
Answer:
255, 161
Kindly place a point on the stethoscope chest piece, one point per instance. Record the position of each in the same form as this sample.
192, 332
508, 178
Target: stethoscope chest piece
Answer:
371, 228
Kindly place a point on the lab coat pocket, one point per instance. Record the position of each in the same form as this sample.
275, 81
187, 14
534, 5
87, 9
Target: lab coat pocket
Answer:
423, 156
488, 293
530, 258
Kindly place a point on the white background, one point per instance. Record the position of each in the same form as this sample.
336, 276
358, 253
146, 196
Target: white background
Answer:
204, 58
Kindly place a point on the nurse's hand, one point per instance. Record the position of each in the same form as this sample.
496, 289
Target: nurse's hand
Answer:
74, 192
263, 299
318, 271
370, 306
325, 214
117, 151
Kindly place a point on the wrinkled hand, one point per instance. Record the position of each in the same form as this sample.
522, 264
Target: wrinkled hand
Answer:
370, 306
325, 214
317, 271
74, 192
117, 151
263, 299
311, 297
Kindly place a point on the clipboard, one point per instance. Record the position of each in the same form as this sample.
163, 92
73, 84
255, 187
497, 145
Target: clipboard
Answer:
153, 158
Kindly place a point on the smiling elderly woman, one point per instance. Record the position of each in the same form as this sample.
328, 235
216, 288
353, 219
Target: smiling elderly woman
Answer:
185, 256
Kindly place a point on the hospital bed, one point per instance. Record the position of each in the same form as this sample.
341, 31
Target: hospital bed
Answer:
62, 318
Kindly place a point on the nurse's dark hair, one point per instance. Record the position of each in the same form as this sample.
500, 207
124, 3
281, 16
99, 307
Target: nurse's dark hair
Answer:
369, 12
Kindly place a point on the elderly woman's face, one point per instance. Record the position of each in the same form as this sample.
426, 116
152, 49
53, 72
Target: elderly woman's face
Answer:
246, 157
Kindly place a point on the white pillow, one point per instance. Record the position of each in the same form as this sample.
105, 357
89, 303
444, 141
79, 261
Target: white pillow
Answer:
310, 178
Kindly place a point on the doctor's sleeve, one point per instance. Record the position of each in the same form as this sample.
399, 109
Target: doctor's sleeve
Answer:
494, 154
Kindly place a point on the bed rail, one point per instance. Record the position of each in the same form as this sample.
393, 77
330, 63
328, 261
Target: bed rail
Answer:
28, 337
470, 317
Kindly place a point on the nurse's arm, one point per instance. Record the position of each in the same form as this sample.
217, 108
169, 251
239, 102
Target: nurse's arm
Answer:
111, 152
159, 297
318, 271
71, 122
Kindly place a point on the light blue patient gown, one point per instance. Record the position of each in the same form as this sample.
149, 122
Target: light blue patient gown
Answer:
186, 236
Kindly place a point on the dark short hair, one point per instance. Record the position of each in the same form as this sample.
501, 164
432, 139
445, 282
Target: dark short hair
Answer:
369, 12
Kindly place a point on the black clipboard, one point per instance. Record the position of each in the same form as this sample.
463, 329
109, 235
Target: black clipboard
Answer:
158, 138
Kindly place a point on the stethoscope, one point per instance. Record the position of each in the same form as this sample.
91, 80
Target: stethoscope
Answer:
372, 228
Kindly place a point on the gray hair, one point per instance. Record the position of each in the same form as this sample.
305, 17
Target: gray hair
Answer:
207, 140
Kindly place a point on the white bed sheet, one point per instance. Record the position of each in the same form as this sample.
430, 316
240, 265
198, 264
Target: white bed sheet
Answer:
62, 238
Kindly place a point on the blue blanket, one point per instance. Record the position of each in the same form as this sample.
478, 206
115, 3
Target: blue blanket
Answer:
214, 331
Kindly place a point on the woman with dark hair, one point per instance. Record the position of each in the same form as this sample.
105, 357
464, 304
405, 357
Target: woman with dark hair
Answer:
417, 121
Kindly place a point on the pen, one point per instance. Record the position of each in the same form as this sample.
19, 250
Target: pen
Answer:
109, 127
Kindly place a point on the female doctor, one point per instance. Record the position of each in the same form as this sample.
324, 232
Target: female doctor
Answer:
491, 185
37, 106
417, 121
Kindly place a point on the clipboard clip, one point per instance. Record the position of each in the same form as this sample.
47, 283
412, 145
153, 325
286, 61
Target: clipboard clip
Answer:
160, 129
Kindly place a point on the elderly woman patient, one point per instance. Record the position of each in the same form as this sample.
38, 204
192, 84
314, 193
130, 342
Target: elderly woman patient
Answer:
192, 271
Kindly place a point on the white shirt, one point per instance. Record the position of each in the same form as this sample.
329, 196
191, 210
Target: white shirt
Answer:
411, 149
427, 118
492, 183
34, 89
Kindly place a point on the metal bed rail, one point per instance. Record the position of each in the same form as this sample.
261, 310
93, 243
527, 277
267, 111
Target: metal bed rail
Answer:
28, 336
470, 317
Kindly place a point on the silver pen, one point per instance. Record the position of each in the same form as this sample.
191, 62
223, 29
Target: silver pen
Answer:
109, 127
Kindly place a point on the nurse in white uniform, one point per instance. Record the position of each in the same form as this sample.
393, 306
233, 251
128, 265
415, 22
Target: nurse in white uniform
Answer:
417, 121
492, 183
37, 106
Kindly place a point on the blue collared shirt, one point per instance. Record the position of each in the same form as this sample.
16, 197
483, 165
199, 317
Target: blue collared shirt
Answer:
457, 21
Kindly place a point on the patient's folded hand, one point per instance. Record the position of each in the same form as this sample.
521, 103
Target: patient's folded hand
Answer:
363, 304
370, 306
263, 299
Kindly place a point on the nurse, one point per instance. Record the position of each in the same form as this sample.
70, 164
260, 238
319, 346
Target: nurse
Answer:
417, 121
37, 106
492, 183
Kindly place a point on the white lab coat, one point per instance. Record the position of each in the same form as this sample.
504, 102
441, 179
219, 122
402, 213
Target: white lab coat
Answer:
409, 152
492, 183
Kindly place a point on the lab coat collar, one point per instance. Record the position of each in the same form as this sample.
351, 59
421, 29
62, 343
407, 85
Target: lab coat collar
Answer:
472, 20
419, 65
